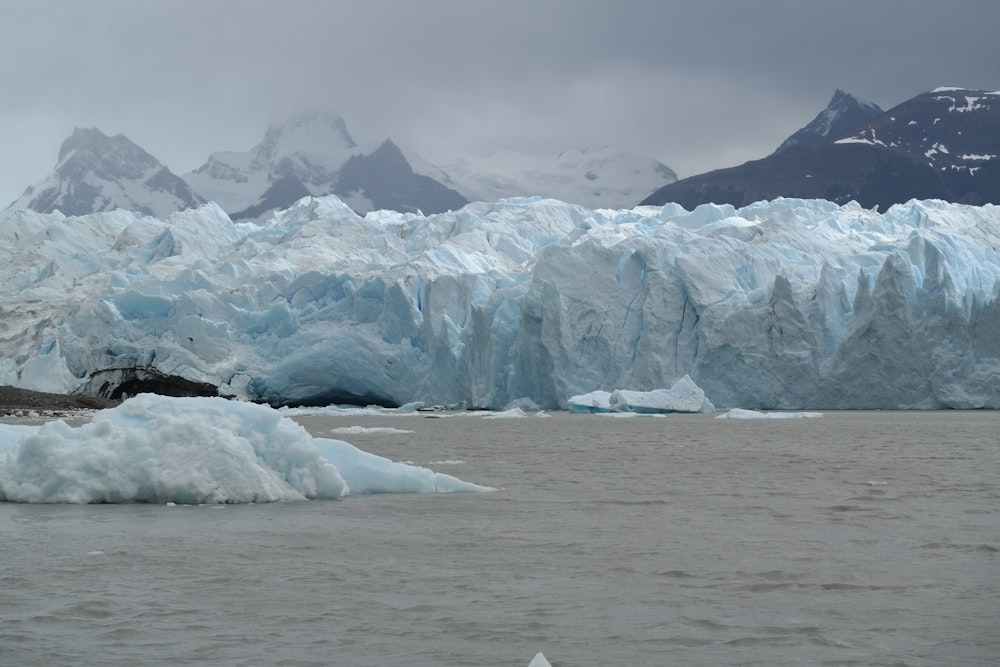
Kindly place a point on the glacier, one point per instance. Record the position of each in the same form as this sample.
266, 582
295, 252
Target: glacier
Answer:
195, 450
788, 304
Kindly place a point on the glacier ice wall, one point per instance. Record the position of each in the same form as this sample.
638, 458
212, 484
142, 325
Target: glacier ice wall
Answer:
785, 304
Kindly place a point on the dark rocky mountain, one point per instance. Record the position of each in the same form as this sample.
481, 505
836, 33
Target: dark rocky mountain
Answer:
943, 144
842, 115
282, 191
96, 172
386, 180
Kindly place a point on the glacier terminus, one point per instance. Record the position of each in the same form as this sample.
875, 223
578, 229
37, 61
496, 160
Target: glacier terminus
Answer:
787, 304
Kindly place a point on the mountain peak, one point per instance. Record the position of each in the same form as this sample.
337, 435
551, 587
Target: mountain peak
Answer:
843, 114
96, 172
388, 149
298, 155
843, 100
314, 135
82, 138
89, 149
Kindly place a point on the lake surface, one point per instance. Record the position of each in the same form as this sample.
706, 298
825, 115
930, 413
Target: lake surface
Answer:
860, 538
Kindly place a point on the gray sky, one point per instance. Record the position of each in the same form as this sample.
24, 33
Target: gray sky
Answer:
697, 84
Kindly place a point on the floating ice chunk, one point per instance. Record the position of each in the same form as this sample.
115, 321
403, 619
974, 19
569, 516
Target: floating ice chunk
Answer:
513, 413
193, 451
370, 473
595, 401
740, 413
153, 449
369, 430
684, 396
630, 415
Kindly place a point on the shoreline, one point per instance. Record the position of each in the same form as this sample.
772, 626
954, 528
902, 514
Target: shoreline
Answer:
14, 399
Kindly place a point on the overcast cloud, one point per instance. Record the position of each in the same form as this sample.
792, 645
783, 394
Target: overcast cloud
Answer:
697, 84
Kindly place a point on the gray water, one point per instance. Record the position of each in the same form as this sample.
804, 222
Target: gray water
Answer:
863, 538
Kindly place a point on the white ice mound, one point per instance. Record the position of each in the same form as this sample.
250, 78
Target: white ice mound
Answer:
194, 450
594, 401
683, 396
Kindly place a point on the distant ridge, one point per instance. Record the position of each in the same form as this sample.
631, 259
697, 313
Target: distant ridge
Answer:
599, 177
315, 154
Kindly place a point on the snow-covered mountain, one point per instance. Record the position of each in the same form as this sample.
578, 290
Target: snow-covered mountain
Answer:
952, 130
788, 304
943, 144
314, 154
96, 172
844, 114
297, 157
603, 177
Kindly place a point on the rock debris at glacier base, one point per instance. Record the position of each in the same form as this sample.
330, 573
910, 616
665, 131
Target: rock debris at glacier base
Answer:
789, 304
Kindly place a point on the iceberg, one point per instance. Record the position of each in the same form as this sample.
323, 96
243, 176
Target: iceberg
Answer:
789, 304
595, 401
683, 396
195, 450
